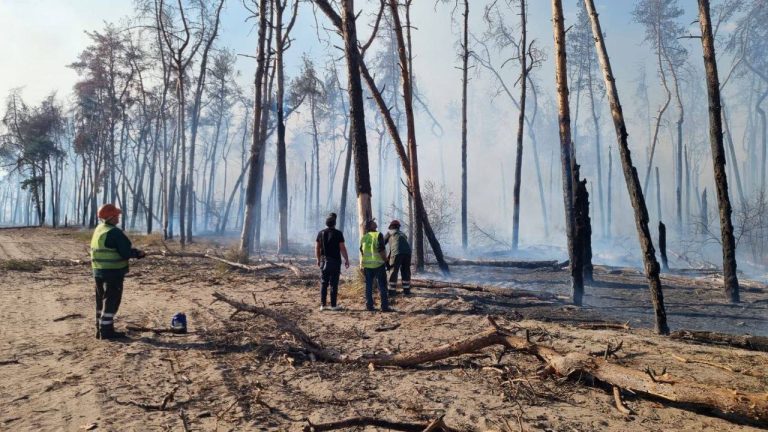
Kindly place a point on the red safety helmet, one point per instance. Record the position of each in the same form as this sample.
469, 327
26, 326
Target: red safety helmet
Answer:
394, 224
108, 211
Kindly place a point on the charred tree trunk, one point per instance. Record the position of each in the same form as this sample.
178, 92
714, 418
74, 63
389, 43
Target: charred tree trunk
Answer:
608, 193
523, 56
411, 126
464, 70
663, 246
246, 237
282, 166
730, 278
630, 175
658, 195
567, 158
583, 227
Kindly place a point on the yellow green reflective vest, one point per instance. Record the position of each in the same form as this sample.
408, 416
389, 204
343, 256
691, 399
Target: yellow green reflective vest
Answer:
370, 246
102, 257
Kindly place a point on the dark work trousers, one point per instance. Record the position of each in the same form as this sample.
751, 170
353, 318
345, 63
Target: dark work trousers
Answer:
380, 275
330, 276
402, 265
109, 292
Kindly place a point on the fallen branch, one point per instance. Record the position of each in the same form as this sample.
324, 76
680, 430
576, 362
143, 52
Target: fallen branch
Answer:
505, 263
384, 328
157, 330
286, 325
723, 402
8, 362
506, 292
620, 403
604, 326
685, 360
434, 426
749, 342
70, 316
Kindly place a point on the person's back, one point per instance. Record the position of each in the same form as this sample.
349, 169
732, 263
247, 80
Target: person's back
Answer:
330, 239
399, 257
329, 249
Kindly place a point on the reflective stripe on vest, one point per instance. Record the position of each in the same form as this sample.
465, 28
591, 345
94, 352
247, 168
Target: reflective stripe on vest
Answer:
102, 257
370, 244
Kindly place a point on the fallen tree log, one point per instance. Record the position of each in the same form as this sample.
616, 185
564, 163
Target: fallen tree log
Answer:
505, 263
506, 292
722, 402
748, 342
435, 426
251, 268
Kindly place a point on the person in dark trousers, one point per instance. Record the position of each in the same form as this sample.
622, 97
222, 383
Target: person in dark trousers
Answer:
329, 249
110, 252
372, 256
399, 257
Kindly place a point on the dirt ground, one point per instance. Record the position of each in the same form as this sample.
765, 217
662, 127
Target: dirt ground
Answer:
240, 373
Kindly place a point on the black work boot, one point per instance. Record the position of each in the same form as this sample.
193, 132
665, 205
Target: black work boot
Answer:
110, 333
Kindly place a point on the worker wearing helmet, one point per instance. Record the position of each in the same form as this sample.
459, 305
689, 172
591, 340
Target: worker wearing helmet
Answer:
110, 252
399, 257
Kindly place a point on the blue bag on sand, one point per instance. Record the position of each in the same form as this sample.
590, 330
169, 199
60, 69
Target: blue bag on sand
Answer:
179, 322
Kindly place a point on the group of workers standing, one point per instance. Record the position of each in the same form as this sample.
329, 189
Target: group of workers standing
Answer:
111, 249
378, 253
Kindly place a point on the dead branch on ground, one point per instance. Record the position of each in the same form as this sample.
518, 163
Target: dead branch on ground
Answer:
436, 425
604, 326
722, 402
70, 316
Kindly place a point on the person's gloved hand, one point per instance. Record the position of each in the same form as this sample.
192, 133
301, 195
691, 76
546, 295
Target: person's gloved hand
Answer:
136, 253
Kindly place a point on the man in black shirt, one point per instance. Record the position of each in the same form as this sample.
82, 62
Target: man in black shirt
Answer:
329, 248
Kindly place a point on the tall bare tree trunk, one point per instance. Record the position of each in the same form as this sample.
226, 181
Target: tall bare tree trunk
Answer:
282, 165
246, 237
567, 158
523, 56
465, 67
630, 175
411, 126
609, 211
730, 279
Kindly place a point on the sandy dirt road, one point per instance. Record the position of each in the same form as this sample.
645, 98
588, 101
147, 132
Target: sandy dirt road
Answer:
236, 373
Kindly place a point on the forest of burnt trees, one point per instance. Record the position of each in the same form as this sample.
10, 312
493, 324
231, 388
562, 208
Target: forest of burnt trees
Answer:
159, 124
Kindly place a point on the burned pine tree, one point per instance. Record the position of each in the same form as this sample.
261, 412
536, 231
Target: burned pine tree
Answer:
730, 279
529, 57
249, 218
630, 175
569, 167
663, 32
282, 41
345, 23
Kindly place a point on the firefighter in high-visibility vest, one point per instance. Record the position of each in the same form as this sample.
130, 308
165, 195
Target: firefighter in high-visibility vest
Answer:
110, 252
373, 257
